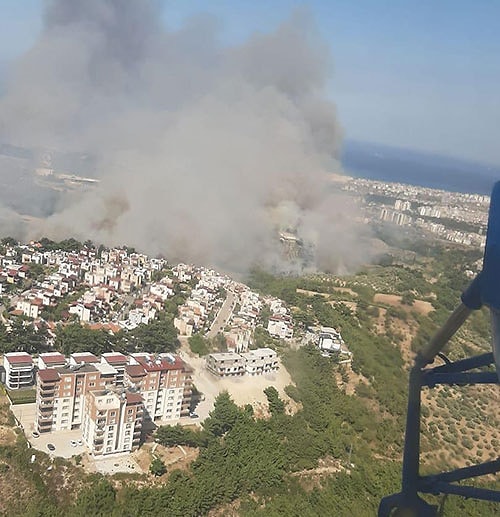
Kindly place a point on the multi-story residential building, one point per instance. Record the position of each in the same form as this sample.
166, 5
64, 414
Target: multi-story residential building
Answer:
112, 421
254, 362
164, 381
79, 358
51, 360
19, 370
261, 360
109, 398
118, 362
61, 394
226, 364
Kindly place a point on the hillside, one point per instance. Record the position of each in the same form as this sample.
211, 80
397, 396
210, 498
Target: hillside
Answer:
341, 451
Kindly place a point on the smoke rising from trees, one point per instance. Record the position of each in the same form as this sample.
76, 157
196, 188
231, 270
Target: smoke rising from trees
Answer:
205, 152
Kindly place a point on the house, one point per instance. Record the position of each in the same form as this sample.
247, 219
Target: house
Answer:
280, 327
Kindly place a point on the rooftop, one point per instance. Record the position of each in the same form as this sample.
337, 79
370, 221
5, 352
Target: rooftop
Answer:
18, 357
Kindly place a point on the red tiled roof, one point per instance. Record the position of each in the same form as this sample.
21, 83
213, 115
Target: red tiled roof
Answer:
86, 358
115, 358
48, 375
18, 358
161, 364
135, 370
52, 358
134, 398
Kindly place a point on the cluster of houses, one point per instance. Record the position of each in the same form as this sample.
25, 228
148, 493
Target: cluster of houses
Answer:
104, 276
114, 289
203, 299
110, 398
280, 324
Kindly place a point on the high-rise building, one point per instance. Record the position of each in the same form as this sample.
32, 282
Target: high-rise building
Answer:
61, 394
165, 384
112, 421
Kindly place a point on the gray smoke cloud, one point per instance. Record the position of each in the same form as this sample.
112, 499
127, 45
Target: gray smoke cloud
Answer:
205, 152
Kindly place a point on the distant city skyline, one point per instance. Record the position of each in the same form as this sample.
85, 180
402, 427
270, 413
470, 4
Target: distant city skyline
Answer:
422, 76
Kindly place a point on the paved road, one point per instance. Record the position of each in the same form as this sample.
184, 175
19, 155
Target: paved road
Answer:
224, 314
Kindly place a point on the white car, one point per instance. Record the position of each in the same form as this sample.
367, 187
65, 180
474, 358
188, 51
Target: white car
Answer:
73, 443
80, 442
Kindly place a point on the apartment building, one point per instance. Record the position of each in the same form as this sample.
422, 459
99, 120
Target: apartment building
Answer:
112, 421
226, 364
118, 361
261, 360
19, 370
61, 394
254, 362
51, 360
165, 383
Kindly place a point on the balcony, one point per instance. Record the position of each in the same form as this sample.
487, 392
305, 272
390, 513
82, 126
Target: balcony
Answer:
47, 385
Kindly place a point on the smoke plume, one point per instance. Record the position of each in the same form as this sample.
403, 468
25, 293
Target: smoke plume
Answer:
204, 152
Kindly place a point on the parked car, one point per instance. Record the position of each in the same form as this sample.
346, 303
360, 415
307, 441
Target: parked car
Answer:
80, 442
73, 443
51, 447
35, 434
193, 415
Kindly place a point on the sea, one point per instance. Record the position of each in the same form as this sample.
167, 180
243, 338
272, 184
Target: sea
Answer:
396, 165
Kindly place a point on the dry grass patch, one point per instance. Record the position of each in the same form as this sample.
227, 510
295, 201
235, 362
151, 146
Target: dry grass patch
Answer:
420, 306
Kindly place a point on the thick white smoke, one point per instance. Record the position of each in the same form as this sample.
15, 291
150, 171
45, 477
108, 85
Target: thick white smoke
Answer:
204, 152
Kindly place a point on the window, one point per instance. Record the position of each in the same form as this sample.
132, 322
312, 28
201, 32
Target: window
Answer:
111, 427
130, 411
112, 413
91, 384
108, 401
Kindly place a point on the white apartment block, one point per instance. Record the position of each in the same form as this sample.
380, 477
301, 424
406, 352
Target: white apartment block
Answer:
254, 362
112, 421
19, 370
225, 364
261, 360
51, 360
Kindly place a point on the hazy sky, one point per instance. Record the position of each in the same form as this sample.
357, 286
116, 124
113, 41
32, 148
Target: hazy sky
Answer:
424, 74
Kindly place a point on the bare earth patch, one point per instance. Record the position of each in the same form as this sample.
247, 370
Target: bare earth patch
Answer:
420, 306
7, 435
